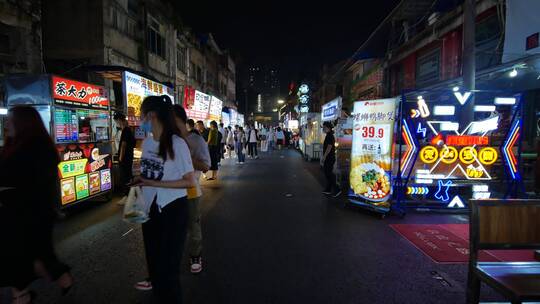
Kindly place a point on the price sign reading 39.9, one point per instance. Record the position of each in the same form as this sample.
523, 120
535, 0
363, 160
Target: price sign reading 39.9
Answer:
372, 131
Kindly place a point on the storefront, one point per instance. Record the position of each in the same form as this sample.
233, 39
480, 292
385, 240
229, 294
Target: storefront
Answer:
77, 116
311, 135
135, 89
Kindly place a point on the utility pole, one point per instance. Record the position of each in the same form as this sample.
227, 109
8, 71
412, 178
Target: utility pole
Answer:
469, 57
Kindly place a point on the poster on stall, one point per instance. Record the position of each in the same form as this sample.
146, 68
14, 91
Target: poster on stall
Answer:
225, 119
67, 187
136, 88
215, 109
95, 186
76, 93
198, 105
234, 117
106, 180
371, 155
81, 186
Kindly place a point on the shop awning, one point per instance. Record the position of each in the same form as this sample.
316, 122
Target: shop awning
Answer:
114, 72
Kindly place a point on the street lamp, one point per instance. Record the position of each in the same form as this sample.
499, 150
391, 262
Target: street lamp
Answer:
281, 101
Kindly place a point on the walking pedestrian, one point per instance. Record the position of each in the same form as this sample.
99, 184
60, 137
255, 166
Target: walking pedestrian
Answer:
213, 146
280, 138
253, 135
263, 136
166, 174
270, 138
240, 145
329, 159
230, 142
125, 154
223, 141
29, 206
200, 157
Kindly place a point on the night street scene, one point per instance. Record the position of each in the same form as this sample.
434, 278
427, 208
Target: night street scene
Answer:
274, 152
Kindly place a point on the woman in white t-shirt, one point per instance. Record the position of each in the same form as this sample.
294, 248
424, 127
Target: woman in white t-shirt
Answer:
166, 173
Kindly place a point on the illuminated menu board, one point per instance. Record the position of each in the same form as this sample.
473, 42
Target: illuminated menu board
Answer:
449, 159
66, 125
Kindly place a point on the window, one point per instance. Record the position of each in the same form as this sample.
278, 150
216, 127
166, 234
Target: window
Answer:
4, 44
156, 42
428, 68
199, 74
181, 59
81, 125
133, 6
488, 34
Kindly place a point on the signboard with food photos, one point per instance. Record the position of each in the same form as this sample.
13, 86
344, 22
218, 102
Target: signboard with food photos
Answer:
84, 171
371, 152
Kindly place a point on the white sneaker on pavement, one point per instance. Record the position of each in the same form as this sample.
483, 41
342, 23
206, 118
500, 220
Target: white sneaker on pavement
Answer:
145, 285
196, 265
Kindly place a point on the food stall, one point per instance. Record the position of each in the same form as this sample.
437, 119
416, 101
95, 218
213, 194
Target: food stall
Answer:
135, 89
311, 135
445, 157
214, 113
240, 120
225, 119
77, 116
343, 133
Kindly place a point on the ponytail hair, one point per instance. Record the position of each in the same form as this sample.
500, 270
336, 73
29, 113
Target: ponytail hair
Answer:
162, 106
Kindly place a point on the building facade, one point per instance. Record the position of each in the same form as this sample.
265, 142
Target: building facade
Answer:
20, 37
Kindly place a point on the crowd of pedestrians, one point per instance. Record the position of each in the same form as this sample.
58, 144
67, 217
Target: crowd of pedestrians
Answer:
176, 153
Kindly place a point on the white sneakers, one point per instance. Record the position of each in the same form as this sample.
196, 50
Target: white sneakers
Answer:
196, 265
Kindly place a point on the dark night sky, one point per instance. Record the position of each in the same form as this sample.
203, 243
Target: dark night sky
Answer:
296, 37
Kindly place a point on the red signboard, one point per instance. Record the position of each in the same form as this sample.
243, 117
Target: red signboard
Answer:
466, 140
70, 92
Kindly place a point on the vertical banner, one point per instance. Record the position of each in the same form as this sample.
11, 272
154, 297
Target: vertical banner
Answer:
371, 155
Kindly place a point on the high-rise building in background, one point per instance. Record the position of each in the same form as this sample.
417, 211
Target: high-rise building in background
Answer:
263, 83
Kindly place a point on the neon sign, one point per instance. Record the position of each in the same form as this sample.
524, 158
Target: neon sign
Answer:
446, 156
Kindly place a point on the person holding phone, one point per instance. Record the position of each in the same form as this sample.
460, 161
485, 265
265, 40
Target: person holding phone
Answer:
166, 174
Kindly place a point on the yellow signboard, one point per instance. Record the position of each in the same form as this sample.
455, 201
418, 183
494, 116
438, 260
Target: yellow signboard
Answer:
467, 155
72, 167
488, 156
449, 155
429, 154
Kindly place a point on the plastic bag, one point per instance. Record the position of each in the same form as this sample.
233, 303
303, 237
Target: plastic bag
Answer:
135, 209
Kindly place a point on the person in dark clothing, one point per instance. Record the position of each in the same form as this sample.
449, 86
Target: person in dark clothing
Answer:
203, 130
329, 159
213, 146
29, 170
125, 153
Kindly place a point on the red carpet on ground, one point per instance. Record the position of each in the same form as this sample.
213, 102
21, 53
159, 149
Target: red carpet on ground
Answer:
449, 243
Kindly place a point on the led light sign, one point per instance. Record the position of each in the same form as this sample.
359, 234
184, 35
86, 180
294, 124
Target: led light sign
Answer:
456, 202
462, 98
467, 140
445, 157
444, 110
484, 108
488, 156
467, 155
429, 154
449, 155
505, 101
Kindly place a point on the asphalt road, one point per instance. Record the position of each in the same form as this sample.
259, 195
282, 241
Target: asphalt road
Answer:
261, 246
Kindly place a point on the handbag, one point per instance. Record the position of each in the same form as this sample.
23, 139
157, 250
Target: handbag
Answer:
136, 210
